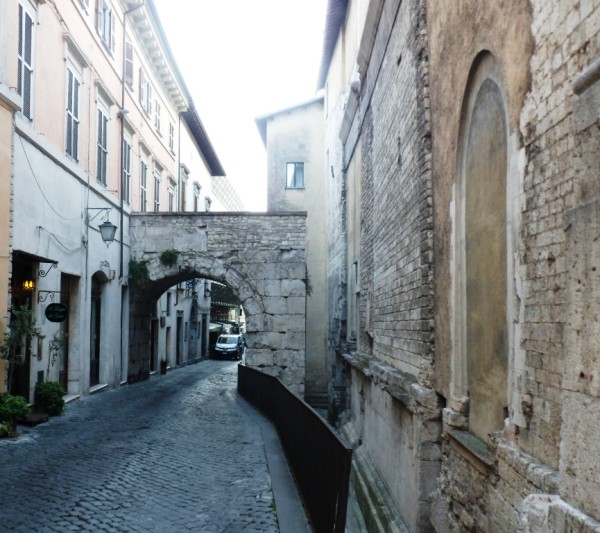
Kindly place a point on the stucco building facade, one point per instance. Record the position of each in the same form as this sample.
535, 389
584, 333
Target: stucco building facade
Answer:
459, 142
104, 126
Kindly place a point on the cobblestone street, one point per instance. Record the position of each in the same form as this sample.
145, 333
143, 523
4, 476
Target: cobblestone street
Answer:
180, 452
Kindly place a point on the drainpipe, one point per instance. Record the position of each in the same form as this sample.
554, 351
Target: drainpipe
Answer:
122, 112
179, 203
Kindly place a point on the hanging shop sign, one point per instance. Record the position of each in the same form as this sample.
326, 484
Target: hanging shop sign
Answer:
56, 312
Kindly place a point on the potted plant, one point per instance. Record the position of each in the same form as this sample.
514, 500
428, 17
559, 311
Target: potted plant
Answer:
12, 408
163, 366
22, 330
49, 398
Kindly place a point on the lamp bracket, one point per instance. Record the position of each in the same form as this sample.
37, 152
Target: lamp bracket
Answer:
99, 209
44, 295
44, 273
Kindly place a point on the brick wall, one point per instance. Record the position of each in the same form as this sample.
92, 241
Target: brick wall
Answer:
566, 39
396, 228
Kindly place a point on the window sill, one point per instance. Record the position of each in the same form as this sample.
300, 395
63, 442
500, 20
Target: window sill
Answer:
295, 188
473, 449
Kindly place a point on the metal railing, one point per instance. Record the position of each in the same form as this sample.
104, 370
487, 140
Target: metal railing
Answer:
318, 459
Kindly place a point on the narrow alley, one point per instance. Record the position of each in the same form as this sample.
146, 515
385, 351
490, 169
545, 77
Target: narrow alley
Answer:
181, 452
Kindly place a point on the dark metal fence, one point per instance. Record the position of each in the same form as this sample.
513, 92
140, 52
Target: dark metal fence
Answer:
319, 460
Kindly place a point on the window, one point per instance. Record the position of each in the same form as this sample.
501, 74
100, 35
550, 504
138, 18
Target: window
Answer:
172, 136
197, 189
143, 184
126, 170
172, 186
157, 173
295, 176
145, 92
128, 67
25, 60
102, 144
105, 24
72, 129
85, 4
157, 114
183, 185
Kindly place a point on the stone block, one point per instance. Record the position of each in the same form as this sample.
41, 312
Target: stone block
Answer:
294, 340
296, 305
268, 339
290, 358
582, 331
293, 287
454, 419
275, 305
259, 358
579, 464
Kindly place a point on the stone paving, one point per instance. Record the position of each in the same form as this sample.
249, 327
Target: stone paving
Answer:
180, 452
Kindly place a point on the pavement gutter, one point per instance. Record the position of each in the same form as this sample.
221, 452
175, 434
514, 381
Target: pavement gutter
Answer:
290, 511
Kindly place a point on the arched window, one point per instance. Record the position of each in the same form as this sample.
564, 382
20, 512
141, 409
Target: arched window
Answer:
481, 273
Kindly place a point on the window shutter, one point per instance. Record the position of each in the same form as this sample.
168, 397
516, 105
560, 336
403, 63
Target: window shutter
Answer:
112, 30
141, 87
76, 121
129, 63
99, 15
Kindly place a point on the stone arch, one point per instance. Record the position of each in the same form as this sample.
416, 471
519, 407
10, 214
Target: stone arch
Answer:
482, 270
260, 257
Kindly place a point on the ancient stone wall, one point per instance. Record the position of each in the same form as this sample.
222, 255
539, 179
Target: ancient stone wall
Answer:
538, 474
261, 257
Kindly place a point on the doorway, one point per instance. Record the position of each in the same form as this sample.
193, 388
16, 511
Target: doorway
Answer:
179, 339
63, 361
95, 316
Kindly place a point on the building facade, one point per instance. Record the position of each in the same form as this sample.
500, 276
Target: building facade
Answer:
293, 139
104, 126
462, 286
10, 101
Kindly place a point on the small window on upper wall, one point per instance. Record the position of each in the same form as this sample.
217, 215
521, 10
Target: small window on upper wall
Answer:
85, 4
25, 59
105, 24
128, 71
197, 189
295, 176
145, 92
157, 116
172, 136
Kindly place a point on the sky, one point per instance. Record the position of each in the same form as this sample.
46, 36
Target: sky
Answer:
242, 59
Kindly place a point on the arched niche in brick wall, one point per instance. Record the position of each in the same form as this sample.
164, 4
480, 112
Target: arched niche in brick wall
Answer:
481, 267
